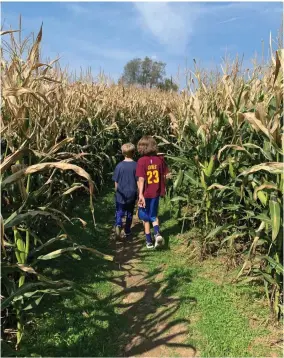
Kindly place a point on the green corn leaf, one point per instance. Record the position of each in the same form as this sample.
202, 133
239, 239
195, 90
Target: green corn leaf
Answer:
232, 207
262, 196
218, 230
268, 278
179, 198
20, 291
178, 180
260, 242
274, 209
231, 168
276, 265
75, 256
263, 217
33, 304
23, 217
182, 160
208, 170
203, 182
271, 167
232, 237
14, 214
20, 250
248, 279
265, 153
49, 242
54, 254
189, 175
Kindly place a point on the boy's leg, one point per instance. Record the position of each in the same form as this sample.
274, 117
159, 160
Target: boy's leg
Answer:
147, 228
129, 218
156, 226
153, 214
143, 215
119, 213
155, 222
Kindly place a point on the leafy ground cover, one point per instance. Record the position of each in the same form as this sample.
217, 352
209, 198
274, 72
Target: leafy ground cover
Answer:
149, 302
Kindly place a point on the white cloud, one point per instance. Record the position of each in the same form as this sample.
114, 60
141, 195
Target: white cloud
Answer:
229, 20
175, 24
77, 9
170, 25
109, 32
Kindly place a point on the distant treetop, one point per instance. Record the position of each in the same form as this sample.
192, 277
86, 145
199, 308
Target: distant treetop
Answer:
147, 73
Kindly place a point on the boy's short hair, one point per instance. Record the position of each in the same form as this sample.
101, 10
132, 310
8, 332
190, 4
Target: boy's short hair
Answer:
128, 149
147, 146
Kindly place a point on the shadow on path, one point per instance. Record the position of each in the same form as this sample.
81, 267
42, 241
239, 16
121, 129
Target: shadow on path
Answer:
149, 306
134, 315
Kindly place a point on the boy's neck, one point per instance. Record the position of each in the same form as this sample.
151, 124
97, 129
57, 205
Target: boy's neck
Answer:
128, 159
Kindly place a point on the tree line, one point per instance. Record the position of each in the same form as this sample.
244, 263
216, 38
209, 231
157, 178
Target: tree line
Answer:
147, 73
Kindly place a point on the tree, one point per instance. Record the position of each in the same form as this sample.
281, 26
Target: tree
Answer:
132, 71
168, 85
157, 73
147, 73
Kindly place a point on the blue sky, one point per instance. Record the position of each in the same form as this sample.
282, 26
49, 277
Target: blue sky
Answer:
107, 35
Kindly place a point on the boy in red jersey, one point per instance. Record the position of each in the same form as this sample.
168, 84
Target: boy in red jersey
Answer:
151, 172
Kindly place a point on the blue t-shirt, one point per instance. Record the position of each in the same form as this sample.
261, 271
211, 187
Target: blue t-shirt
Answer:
125, 176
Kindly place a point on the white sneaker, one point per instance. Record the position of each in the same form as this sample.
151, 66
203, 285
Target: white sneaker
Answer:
149, 244
159, 241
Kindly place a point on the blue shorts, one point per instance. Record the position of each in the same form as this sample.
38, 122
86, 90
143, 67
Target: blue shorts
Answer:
150, 212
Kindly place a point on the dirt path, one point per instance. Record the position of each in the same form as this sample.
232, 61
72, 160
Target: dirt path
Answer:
152, 330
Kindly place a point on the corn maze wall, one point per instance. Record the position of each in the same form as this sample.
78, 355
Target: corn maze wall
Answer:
223, 138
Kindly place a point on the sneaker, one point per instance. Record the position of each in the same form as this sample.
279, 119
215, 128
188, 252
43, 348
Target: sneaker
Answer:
159, 241
149, 244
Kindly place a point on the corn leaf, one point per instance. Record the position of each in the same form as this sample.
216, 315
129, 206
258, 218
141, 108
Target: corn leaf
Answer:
274, 209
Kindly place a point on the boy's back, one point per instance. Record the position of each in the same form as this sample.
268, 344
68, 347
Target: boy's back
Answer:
125, 177
153, 170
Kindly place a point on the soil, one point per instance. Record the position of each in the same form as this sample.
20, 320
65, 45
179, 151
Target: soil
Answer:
152, 330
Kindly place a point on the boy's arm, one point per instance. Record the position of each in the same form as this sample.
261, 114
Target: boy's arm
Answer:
140, 174
141, 201
115, 185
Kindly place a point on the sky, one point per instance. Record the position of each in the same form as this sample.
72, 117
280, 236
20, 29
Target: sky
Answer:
106, 35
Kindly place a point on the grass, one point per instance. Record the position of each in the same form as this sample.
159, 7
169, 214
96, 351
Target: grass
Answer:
226, 320
80, 325
223, 319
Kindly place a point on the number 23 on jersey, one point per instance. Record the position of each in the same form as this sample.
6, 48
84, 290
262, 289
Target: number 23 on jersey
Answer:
153, 176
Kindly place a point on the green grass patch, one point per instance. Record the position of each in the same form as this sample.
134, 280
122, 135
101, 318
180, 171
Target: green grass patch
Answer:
220, 320
219, 315
78, 325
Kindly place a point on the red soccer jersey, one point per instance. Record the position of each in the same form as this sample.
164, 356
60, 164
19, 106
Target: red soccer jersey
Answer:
153, 169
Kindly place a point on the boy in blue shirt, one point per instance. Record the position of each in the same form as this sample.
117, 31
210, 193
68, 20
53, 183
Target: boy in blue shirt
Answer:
125, 183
